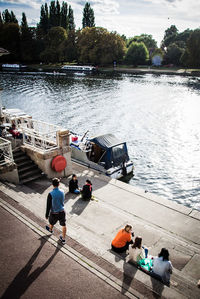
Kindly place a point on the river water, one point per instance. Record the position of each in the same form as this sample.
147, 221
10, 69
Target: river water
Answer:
158, 116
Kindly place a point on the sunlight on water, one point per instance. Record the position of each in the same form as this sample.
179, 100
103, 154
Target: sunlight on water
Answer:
158, 116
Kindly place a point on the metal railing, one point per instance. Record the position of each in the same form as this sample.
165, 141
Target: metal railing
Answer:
40, 135
6, 156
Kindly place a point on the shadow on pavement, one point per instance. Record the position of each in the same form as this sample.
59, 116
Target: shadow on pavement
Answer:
157, 287
79, 206
128, 275
23, 279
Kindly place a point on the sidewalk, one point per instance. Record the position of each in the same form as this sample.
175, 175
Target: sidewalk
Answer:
94, 224
36, 269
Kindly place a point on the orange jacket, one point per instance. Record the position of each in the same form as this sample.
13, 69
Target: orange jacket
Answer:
121, 238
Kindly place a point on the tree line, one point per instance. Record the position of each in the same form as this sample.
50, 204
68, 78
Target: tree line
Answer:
56, 40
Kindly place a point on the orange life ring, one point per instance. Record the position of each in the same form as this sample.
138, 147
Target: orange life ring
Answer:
58, 163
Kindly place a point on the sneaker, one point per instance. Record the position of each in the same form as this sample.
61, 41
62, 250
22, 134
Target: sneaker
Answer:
62, 240
48, 228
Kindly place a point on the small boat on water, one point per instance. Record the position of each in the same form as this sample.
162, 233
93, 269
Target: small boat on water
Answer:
13, 66
104, 153
79, 68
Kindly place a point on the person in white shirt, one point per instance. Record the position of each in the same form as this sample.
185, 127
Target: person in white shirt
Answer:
162, 266
136, 252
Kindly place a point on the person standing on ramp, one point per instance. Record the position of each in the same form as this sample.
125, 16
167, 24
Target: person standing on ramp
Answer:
55, 206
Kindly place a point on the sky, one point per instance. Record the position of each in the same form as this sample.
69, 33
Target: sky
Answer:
129, 17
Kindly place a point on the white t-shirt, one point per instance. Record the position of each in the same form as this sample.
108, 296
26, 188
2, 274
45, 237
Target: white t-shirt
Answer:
135, 254
162, 268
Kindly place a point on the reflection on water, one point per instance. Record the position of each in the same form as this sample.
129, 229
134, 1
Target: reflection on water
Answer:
158, 116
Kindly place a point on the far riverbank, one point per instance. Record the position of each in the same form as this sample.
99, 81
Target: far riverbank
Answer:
152, 70
122, 69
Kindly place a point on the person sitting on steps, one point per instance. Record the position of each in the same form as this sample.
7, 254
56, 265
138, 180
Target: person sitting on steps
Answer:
162, 267
137, 252
123, 239
73, 185
86, 192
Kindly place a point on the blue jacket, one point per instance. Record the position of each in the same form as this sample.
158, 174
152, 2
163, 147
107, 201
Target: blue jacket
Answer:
55, 201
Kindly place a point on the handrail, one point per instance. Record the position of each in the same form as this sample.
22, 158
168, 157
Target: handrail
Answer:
40, 135
6, 155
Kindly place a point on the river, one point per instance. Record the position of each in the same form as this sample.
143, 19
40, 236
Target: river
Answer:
158, 116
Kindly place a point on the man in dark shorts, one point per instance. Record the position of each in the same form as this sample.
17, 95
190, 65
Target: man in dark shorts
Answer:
55, 206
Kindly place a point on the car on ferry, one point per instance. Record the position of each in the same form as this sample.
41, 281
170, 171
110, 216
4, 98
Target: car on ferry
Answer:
104, 153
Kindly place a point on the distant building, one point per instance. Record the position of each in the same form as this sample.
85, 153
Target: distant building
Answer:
157, 60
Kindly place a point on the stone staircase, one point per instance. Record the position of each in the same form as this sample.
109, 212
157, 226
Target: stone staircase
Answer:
27, 169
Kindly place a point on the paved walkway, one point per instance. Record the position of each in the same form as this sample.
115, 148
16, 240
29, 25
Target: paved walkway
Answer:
94, 224
35, 268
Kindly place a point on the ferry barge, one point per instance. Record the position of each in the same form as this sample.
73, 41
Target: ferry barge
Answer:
79, 68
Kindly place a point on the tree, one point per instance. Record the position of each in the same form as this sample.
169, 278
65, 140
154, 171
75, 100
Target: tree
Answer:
1, 20
98, 46
137, 54
53, 45
57, 13
170, 36
191, 57
64, 16
69, 48
13, 18
71, 24
147, 39
44, 19
10, 40
173, 54
6, 16
24, 24
27, 43
52, 15
88, 16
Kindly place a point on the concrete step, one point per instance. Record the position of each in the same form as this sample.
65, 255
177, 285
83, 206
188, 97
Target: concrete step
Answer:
21, 159
29, 173
27, 167
18, 154
24, 163
29, 179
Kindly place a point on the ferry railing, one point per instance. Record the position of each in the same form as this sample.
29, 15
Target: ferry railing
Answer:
40, 135
6, 155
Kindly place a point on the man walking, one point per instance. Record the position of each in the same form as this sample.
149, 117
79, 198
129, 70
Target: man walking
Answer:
55, 206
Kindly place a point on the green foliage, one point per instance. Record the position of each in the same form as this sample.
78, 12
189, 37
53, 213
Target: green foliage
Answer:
24, 24
64, 16
174, 53
44, 19
27, 42
97, 46
10, 40
53, 45
170, 36
52, 14
147, 39
71, 24
191, 57
68, 48
1, 20
88, 16
137, 54
9, 17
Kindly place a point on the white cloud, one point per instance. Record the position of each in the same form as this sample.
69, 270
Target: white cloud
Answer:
129, 17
